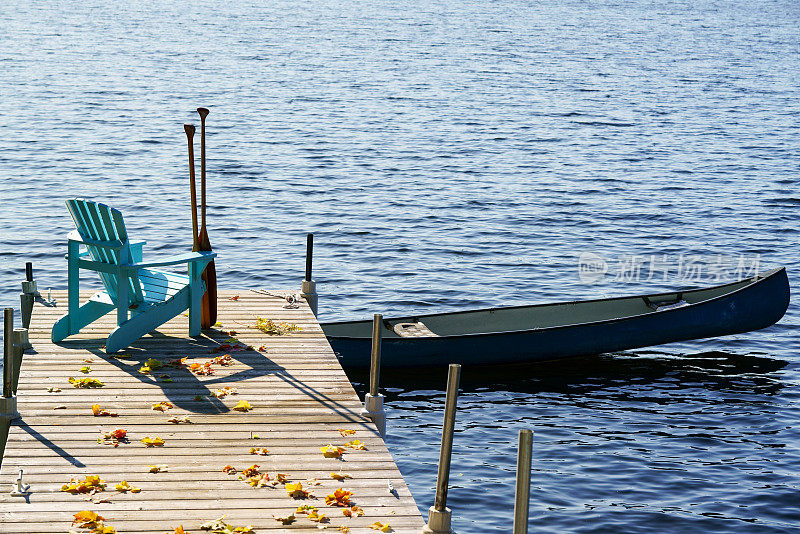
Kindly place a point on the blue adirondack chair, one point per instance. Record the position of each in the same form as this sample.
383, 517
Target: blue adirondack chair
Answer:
151, 297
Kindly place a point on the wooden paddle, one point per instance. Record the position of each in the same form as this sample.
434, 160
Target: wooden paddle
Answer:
209, 313
189, 129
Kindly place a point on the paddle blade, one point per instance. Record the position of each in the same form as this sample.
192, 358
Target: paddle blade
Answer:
208, 316
209, 302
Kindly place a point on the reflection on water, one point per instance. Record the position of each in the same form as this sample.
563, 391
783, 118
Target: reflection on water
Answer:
714, 370
680, 443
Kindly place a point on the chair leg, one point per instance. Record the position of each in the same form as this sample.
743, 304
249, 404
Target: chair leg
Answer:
147, 321
197, 289
72, 323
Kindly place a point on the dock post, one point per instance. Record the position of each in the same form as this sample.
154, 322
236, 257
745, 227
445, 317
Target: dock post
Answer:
8, 402
373, 401
27, 296
523, 489
439, 513
20, 340
309, 289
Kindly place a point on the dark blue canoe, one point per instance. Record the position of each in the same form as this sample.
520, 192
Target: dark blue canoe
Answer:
552, 331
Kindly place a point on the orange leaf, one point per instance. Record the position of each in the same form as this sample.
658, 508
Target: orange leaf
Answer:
340, 497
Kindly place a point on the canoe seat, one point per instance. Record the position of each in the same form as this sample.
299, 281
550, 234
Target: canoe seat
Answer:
416, 329
664, 305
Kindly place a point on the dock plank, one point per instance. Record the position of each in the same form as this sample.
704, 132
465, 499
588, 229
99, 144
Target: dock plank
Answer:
300, 400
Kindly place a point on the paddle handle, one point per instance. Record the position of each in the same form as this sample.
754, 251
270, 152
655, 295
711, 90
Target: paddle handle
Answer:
203, 114
189, 129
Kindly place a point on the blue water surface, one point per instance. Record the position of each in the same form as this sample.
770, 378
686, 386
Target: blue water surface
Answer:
451, 155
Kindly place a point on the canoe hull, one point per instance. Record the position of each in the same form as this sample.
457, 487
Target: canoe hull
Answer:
755, 306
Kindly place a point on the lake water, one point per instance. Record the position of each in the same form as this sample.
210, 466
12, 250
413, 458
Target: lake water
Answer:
450, 156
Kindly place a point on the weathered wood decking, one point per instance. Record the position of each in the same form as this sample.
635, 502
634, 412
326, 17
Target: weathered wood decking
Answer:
300, 398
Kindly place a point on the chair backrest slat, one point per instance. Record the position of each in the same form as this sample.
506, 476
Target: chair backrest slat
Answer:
103, 223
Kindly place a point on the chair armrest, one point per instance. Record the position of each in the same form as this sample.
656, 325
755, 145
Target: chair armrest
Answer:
75, 236
137, 250
174, 260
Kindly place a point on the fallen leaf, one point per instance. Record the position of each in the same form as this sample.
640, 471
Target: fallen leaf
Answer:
305, 509
356, 444
152, 442
97, 411
287, 520
218, 526
157, 468
180, 420
340, 497
296, 491
377, 525
124, 487
163, 406
332, 451
235, 297
115, 437
224, 392
224, 360
281, 477
346, 432
85, 369
242, 406
262, 348
90, 484
177, 363
317, 517
340, 476
251, 471
178, 530
272, 328
229, 469
343, 528
261, 481
199, 398
53, 390
60, 407
259, 450
85, 382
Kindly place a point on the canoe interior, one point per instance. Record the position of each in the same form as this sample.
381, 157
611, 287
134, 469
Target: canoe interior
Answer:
522, 318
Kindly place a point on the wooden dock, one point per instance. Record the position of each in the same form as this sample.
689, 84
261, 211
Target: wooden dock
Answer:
300, 398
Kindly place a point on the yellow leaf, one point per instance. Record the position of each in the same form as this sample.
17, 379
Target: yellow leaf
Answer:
356, 444
296, 491
162, 406
85, 382
152, 442
85, 369
331, 451
259, 450
340, 476
346, 432
125, 487
90, 484
157, 468
242, 406
377, 525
